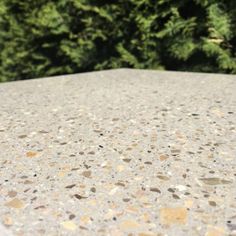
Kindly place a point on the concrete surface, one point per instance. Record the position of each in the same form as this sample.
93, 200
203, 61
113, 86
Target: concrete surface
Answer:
122, 152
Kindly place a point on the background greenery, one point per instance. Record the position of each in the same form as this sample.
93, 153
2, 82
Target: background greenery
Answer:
49, 37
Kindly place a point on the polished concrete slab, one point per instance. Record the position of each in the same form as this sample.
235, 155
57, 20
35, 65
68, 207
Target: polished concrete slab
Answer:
120, 152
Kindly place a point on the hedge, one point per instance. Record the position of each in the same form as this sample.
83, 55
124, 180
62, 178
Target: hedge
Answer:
51, 37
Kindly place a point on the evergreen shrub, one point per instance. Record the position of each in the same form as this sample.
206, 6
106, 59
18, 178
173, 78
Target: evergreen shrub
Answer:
51, 37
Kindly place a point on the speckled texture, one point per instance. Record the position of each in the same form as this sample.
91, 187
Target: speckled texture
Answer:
122, 152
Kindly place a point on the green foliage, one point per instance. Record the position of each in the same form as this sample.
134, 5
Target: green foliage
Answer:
43, 38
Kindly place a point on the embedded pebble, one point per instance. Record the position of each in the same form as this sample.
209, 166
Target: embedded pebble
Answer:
15, 203
163, 157
215, 181
162, 177
170, 216
7, 220
215, 231
155, 190
31, 154
129, 225
70, 225
87, 174
12, 193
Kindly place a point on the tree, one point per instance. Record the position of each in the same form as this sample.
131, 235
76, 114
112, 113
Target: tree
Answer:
44, 38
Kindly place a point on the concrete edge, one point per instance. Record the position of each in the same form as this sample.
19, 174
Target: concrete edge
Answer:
128, 69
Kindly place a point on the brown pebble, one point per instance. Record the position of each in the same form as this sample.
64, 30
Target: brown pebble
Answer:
93, 190
31, 154
215, 181
175, 151
24, 177
155, 190
126, 160
87, 174
63, 143
126, 199
91, 153
71, 186
83, 228
39, 207
163, 157
175, 196
120, 184
212, 203
148, 163
162, 177
43, 132
71, 216
12, 193
171, 190
79, 196
28, 182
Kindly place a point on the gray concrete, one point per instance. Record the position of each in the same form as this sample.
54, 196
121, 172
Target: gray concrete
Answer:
122, 152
